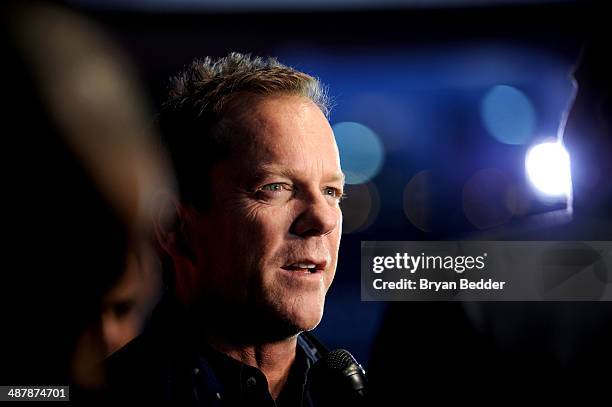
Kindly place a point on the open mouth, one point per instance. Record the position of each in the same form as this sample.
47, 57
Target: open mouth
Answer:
304, 267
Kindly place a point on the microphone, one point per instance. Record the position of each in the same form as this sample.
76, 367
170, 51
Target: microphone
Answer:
338, 379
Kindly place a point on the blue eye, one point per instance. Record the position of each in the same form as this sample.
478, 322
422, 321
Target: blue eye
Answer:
276, 192
275, 187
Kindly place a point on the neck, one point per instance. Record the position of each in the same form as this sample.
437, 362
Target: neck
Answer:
273, 359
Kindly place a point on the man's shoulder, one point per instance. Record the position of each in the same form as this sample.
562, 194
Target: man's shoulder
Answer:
139, 353
138, 370
148, 362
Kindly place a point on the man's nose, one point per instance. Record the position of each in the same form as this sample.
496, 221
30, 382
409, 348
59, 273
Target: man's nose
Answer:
318, 217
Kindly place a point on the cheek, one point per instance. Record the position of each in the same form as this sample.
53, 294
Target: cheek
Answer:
267, 225
260, 239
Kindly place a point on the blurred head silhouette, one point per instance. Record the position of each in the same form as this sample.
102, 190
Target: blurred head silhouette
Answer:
81, 185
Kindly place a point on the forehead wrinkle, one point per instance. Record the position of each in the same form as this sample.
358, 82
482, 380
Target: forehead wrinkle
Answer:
278, 139
260, 119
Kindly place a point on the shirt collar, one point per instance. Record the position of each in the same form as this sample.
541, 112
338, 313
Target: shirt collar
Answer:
244, 383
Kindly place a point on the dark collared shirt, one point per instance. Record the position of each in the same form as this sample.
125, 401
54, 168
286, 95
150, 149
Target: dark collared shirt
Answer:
167, 363
245, 385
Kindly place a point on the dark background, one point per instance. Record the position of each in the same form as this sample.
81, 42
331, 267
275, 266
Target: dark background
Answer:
417, 77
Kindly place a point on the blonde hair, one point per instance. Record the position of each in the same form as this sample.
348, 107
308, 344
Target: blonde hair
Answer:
202, 96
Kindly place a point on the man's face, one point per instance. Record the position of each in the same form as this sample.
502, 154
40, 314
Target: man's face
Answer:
269, 244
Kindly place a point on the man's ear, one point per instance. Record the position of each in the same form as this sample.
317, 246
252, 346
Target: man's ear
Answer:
173, 225
170, 224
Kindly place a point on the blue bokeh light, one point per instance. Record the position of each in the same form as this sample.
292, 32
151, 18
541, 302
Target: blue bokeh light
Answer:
361, 152
508, 115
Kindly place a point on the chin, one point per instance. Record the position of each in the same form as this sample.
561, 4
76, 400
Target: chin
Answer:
310, 325
306, 317
288, 315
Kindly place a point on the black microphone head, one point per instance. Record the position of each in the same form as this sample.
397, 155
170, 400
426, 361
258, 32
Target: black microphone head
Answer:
338, 378
338, 359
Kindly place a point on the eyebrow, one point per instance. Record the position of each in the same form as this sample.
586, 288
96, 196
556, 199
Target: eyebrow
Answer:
267, 170
339, 176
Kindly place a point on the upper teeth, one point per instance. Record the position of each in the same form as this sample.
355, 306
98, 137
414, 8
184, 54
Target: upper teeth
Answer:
303, 265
